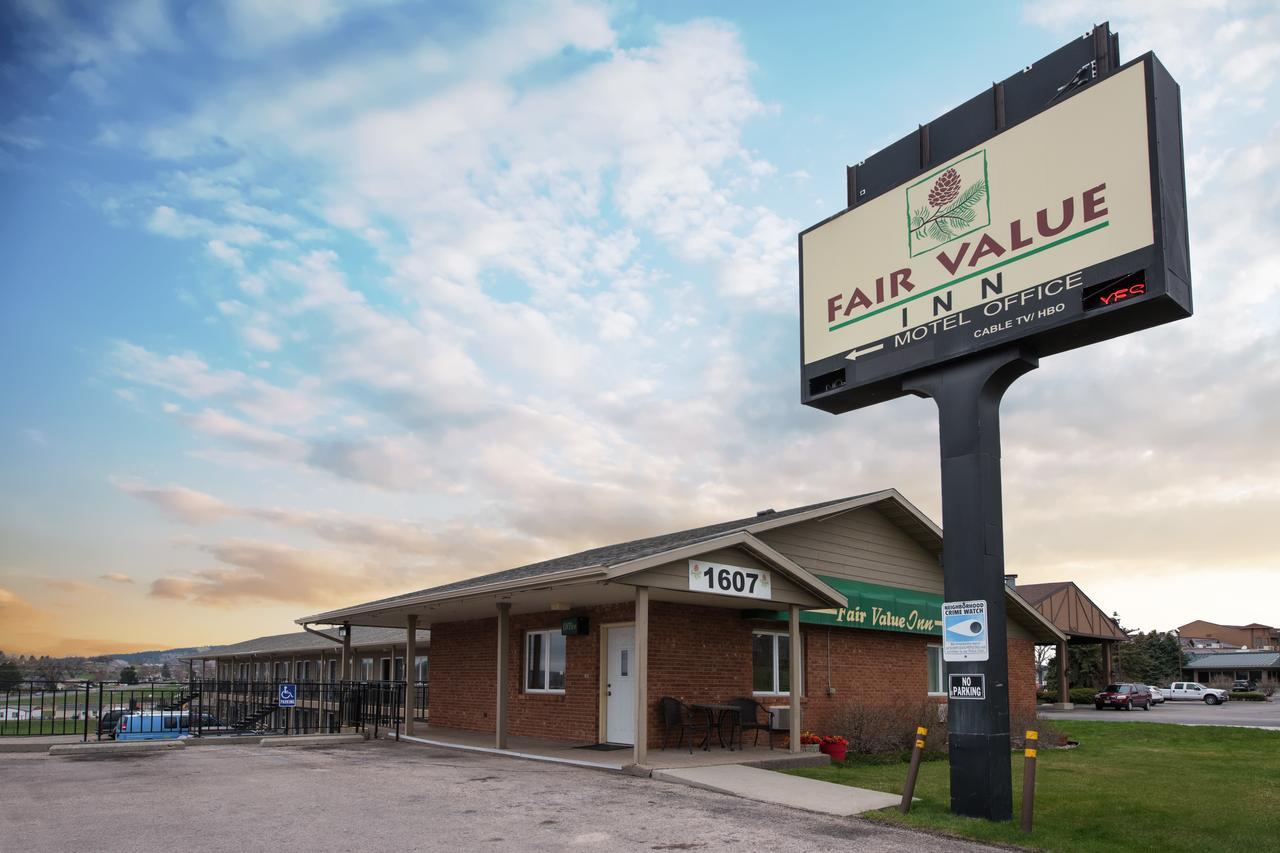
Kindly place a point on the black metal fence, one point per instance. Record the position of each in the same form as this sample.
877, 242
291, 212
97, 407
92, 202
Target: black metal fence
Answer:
103, 710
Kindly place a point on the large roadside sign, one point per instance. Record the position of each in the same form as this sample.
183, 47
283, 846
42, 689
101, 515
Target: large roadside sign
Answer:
1044, 214
1062, 230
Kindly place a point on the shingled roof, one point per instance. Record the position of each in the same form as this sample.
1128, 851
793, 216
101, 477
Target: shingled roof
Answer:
304, 641
888, 500
1235, 660
612, 555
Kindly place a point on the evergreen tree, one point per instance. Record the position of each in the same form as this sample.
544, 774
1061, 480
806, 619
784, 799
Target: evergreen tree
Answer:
129, 675
10, 675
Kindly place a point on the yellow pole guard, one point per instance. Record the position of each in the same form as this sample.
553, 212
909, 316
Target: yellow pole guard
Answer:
1028, 753
1032, 736
919, 744
922, 731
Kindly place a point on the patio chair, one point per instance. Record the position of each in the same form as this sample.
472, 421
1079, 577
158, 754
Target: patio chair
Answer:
749, 719
679, 717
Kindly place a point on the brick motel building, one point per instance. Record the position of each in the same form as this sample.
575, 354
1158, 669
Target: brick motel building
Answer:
581, 647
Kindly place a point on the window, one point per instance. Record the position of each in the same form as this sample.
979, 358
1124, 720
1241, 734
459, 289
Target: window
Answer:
936, 671
332, 670
770, 662
366, 669
399, 669
544, 662
420, 668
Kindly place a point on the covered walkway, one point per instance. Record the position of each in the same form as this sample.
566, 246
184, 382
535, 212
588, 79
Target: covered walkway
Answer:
562, 752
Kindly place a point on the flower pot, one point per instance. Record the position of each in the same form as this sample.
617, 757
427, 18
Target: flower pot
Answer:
810, 747
837, 751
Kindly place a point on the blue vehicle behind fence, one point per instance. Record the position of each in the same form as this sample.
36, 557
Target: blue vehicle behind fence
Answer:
153, 725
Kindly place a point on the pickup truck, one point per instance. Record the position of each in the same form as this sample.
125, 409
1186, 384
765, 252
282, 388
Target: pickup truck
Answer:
1183, 690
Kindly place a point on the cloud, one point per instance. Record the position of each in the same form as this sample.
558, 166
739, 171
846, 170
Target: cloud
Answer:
177, 501
116, 577
267, 571
96, 48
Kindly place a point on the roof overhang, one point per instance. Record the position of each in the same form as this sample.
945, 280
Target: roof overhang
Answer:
743, 539
582, 586
1020, 611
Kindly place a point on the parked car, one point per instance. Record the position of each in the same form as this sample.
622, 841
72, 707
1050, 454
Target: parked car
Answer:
1157, 695
153, 725
1190, 690
1126, 696
1241, 685
110, 721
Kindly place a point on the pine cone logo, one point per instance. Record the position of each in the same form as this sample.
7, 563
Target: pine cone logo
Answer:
945, 189
948, 204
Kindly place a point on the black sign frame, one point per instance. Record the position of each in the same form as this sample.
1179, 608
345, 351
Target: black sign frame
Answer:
837, 383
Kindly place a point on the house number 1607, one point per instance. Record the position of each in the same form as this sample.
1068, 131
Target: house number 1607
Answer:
729, 580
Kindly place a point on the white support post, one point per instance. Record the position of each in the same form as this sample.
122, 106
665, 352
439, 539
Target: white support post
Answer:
504, 644
797, 667
410, 651
641, 751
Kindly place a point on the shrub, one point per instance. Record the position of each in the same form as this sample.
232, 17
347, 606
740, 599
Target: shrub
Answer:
1267, 689
1079, 695
1250, 696
1048, 733
889, 730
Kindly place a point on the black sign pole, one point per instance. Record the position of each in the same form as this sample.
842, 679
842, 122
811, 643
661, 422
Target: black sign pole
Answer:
968, 394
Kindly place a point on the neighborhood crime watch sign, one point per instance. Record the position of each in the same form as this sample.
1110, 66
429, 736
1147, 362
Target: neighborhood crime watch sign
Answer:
964, 631
1034, 233
729, 580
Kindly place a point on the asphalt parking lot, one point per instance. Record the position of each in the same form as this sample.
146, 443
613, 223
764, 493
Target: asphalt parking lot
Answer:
1256, 714
388, 796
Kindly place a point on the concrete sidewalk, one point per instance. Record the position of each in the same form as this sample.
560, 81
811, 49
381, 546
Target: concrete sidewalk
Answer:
781, 789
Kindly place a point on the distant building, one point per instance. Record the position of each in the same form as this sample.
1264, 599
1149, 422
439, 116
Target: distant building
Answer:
377, 654
1262, 667
1210, 635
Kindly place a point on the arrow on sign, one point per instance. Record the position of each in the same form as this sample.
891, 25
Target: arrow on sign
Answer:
864, 351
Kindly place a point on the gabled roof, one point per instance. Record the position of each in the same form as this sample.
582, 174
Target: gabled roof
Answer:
303, 642
1235, 660
1076, 615
609, 556
1035, 593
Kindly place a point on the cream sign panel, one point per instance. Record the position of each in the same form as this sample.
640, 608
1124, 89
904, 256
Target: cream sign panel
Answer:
1019, 213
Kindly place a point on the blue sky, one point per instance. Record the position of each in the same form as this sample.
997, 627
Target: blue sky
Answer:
309, 303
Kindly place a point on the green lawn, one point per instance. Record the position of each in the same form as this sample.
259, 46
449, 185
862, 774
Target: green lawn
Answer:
1125, 787
18, 728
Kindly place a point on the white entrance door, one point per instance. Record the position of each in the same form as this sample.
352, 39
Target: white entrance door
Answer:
620, 690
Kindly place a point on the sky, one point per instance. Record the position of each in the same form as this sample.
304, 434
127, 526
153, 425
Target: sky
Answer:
306, 304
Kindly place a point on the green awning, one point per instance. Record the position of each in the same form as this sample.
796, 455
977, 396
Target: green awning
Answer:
872, 607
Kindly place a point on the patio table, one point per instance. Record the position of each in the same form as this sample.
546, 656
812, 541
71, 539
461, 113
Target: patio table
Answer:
716, 714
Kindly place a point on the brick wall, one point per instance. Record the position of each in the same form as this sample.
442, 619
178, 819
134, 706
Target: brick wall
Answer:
696, 654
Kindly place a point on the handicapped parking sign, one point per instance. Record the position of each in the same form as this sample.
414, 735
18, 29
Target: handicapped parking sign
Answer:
288, 697
964, 630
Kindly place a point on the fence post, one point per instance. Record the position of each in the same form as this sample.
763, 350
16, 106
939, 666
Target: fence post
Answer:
99, 726
1029, 779
916, 752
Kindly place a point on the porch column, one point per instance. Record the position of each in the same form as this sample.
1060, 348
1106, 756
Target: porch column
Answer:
797, 667
346, 651
1106, 663
504, 643
410, 651
642, 675
1064, 683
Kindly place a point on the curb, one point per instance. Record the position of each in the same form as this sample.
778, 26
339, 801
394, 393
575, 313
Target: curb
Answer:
310, 740
114, 748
